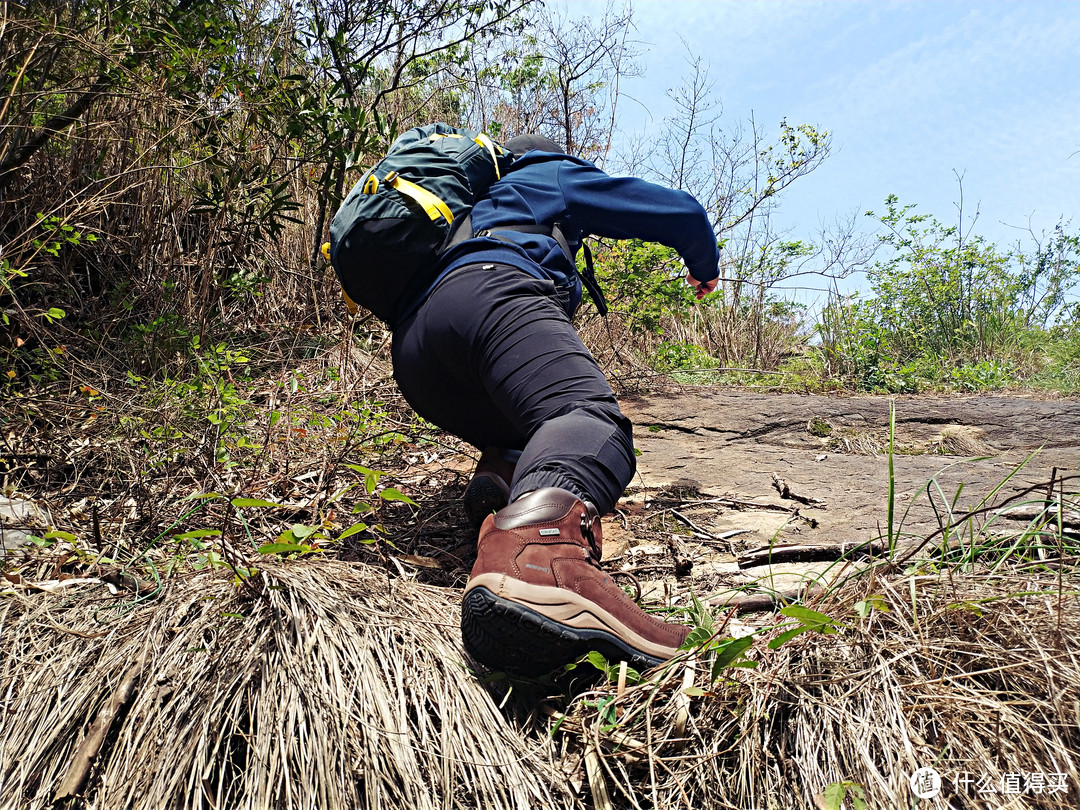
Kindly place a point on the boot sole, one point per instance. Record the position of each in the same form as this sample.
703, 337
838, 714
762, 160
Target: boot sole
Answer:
483, 496
510, 637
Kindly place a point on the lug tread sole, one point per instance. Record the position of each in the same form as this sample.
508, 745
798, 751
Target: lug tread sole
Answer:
509, 637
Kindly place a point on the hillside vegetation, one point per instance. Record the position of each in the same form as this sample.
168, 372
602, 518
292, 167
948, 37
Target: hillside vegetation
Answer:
189, 415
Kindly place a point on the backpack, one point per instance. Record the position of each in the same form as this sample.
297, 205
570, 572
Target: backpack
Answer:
386, 238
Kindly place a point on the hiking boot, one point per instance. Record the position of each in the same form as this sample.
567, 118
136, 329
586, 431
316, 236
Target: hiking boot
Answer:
489, 489
537, 599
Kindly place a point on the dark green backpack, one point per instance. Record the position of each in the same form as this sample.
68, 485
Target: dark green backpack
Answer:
386, 237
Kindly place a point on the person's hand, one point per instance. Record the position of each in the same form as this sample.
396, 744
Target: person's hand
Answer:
703, 287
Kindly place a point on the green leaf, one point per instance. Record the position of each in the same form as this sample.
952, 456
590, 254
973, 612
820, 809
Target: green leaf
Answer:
787, 636
971, 607
697, 637
695, 691
811, 618
349, 532
871, 603
282, 548
730, 650
371, 477
598, 661
202, 497
241, 502
197, 534
299, 531
834, 795
392, 494
60, 535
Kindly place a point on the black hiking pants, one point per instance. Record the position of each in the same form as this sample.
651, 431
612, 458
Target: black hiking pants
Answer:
491, 357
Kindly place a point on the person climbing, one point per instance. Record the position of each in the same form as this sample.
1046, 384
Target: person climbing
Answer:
488, 353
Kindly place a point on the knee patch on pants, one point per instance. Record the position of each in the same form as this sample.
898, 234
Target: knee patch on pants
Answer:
587, 450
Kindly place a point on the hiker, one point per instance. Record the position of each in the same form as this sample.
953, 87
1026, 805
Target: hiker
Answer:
489, 354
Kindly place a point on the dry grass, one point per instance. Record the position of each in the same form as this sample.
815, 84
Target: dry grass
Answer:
324, 684
973, 674
337, 686
334, 687
961, 440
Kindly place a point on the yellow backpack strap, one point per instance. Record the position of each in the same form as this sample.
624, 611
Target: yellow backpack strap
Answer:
349, 303
488, 144
431, 203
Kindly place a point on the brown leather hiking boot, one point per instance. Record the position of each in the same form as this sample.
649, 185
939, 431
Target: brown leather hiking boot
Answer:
537, 599
489, 489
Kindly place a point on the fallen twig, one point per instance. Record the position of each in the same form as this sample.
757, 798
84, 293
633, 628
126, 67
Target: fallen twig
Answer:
782, 486
89, 748
1070, 518
761, 602
809, 553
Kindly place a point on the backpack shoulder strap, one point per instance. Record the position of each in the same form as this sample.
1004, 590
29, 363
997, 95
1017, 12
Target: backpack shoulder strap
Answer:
588, 278
459, 231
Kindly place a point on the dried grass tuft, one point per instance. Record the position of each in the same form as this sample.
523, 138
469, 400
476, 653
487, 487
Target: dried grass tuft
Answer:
340, 687
975, 675
961, 440
334, 687
857, 444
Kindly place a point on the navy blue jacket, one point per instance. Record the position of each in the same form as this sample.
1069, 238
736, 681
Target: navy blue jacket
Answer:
544, 188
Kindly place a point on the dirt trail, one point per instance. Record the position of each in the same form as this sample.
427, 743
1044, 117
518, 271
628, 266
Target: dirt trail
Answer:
729, 445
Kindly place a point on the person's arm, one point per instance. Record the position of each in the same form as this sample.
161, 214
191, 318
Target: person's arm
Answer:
631, 208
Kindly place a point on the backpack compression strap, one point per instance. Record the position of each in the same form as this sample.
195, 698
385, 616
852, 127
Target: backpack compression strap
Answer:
432, 204
349, 303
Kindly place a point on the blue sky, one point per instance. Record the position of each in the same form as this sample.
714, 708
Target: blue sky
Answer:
911, 92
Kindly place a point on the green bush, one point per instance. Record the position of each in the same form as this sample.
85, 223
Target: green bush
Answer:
951, 310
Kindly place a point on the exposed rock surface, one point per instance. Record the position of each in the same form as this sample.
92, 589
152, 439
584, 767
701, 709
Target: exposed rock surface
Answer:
732, 443
726, 449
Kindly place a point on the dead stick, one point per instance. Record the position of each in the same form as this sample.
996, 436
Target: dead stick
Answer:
89, 748
806, 553
1070, 518
760, 602
782, 486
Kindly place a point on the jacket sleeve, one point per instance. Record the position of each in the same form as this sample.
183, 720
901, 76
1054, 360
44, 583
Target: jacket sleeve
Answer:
631, 208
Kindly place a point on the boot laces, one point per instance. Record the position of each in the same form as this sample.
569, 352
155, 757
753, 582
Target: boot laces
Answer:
588, 534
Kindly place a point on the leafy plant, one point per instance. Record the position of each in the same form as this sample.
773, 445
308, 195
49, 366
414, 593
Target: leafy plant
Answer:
611, 671
835, 794
947, 309
720, 653
805, 620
